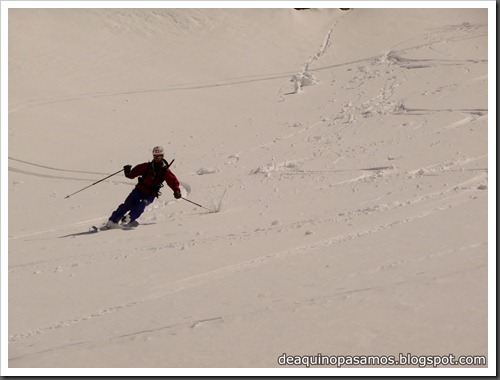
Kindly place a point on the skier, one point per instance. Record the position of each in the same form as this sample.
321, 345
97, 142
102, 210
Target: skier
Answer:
151, 176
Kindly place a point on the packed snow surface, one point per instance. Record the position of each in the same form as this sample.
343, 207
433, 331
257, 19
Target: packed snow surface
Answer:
344, 154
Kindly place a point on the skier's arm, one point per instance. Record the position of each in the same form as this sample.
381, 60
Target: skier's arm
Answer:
136, 171
172, 181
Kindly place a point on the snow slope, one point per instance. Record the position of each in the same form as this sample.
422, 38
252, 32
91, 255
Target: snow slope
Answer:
353, 149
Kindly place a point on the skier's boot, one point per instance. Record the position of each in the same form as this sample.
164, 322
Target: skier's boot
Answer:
112, 224
131, 224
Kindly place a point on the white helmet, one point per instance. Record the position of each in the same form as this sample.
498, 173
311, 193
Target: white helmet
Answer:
157, 150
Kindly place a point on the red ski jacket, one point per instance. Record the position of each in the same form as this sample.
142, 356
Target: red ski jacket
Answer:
152, 177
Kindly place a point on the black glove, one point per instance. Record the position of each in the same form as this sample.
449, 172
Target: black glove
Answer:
177, 194
127, 169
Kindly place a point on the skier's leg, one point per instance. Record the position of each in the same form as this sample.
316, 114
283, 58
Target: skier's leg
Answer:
133, 199
139, 208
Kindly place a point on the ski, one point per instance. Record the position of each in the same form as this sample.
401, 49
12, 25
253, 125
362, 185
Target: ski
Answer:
94, 229
118, 227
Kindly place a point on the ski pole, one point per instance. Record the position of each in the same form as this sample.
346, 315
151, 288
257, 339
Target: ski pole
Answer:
169, 165
197, 204
95, 183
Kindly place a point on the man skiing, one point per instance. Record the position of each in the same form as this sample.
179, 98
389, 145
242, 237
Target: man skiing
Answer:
151, 177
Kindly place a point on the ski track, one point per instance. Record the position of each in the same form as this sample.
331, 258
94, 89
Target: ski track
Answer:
42, 175
435, 202
54, 168
378, 173
183, 325
417, 63
184, 185
382, 104
173, 87
391, 65
394, 66
348, 115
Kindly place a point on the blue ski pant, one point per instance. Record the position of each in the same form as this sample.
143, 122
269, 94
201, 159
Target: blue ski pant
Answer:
136, 203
